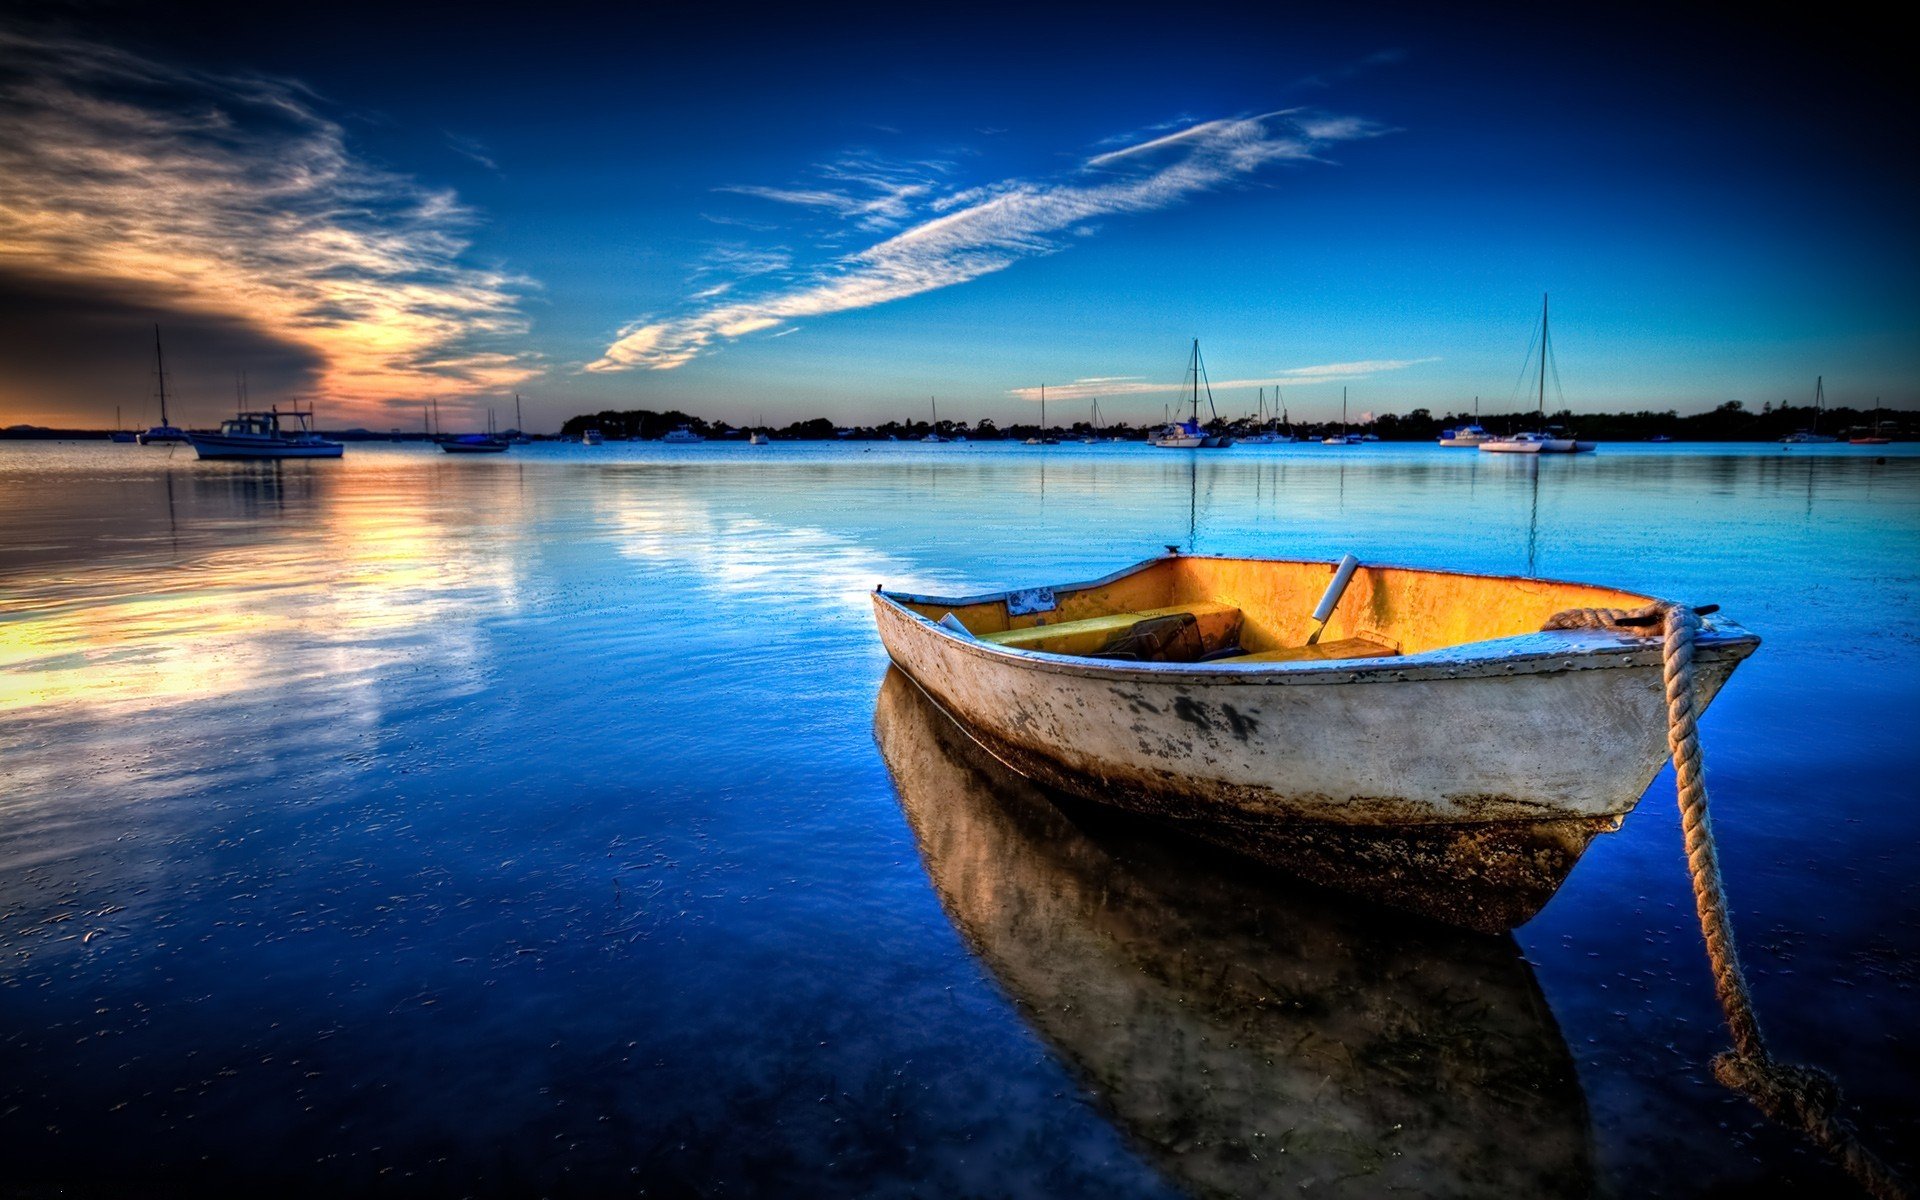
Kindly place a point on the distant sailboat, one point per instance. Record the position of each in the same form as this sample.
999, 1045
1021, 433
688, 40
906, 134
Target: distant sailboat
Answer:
933, 429
519, 437
1044, 438
1343, 438
165, 433
1538, 442
1190, 434
119, 434
1812, 434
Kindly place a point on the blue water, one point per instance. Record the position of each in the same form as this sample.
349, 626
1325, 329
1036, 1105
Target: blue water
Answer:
516, 824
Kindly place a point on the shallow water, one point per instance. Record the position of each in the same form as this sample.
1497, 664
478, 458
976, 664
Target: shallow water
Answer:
522, 823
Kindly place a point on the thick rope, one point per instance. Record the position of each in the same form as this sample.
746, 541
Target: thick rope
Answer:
1803, 1097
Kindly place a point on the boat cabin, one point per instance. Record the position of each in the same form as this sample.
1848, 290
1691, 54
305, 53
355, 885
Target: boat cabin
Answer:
266, 425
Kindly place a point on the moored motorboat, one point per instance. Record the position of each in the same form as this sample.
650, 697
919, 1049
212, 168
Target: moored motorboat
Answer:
1180, 436
1438, 749
592, 437
682, 436
263, 435
1518, 443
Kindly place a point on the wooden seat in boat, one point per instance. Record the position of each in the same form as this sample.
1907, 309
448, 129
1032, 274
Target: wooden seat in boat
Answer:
1219, 624
1365, 645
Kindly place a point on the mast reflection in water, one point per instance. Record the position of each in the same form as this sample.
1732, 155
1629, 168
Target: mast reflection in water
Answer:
1247, 1033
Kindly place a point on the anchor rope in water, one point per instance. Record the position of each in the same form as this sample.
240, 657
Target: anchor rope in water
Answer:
1805, 1098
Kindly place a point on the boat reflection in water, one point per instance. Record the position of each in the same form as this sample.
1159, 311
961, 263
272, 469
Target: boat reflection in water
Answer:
1247, 1033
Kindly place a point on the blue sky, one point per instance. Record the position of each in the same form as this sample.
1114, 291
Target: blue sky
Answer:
843, 215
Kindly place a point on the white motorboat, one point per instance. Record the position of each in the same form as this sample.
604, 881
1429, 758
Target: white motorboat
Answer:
682, 435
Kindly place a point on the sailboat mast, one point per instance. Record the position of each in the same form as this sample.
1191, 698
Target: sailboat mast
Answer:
160, 370
1543, 358
1195, 367
1343, 408
1819, 401
518, 425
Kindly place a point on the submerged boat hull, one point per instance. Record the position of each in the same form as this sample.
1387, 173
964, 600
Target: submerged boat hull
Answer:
1464, 782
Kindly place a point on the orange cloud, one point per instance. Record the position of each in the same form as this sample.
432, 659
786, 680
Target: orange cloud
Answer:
235, 197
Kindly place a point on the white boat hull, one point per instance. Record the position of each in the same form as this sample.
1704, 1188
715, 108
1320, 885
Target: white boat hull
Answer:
1518, 750
1498, 447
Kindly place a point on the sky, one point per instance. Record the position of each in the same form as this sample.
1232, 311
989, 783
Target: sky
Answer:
846, 213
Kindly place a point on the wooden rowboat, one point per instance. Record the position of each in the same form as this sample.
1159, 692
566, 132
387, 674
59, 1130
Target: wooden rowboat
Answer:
1436, 750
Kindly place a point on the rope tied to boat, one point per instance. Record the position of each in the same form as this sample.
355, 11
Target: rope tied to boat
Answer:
1805, 1098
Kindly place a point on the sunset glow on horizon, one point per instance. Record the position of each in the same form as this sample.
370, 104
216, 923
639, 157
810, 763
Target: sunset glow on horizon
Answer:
1325, 207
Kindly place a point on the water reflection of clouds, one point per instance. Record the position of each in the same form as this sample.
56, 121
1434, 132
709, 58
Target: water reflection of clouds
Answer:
360, 583
755, 557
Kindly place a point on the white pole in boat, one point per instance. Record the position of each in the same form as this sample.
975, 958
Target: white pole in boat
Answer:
1330, 600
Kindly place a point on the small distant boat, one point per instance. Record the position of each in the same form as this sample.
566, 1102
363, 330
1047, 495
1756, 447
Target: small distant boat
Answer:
933, 437
1440, 749
682, 435
1190, 434
266, 435
1043, 438
475, 443
1554, 441
1659, 437
757, 438
1872, 439
1092, 436
1462, 436
1812, 434
126, 436
517, 435
1182, 435
1343, 438
166, 433
1518, 443
592, 437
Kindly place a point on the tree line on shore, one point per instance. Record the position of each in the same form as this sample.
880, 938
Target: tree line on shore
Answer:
1730, 422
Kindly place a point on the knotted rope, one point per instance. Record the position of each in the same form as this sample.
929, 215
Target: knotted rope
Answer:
1805, 1098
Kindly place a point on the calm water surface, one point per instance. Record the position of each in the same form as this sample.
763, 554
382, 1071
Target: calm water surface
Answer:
550, 823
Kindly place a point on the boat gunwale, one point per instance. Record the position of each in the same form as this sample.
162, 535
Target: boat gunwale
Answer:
1587, 649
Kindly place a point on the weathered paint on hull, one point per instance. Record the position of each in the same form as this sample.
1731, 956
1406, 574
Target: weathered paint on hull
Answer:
1250, 1037
1464, 782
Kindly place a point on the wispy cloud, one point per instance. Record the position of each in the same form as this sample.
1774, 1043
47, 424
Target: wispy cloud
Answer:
235, 196
875, 193
978, 231
473, 148
1133, 385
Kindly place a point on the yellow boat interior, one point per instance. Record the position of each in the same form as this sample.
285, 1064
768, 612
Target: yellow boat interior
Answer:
1189, 609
